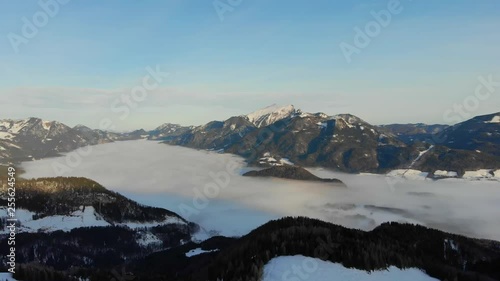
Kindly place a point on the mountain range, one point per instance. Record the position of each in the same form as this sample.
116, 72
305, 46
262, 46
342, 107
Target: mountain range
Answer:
342, 142
34, 138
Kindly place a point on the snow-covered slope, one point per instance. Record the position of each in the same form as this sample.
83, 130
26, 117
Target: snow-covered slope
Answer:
305, 269
198, 251
70, 203
479, 174
413, 174
495, 119
271, 114
5, 276
85, 217
408, 174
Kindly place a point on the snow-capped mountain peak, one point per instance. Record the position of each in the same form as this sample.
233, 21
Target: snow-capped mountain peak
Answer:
271, 114
168, 126
17, 126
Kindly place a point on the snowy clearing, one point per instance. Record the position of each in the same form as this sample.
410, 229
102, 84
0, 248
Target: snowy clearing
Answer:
479, 174
495, 120
6, 276
447, 174
85, 217
6, 136
408, 174
198, 251
311, 269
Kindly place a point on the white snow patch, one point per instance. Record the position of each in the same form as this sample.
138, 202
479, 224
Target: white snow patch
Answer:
6, 276
286, 161
453, 245
148, 239
198, 251
422, 153
322, 125
477, 175
168, 220
85, 217
5, 124
495, 120
46, 125
448, 174
311, 269
497, 174
80, 218
305, 114
408, 174
18, 126
345, 121
270, 114
6, 136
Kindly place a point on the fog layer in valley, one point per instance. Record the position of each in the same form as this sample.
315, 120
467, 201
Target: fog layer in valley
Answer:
207, 188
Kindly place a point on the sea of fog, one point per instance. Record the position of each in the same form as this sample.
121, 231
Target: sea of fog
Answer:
207, 188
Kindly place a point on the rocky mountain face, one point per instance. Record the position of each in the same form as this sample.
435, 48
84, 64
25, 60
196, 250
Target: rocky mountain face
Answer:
347, 143
343, 142
481, 134
34, 138
442, 158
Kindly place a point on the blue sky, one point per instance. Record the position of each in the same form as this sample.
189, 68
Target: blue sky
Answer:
287, 52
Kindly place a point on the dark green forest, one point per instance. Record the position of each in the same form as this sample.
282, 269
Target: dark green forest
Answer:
441, 255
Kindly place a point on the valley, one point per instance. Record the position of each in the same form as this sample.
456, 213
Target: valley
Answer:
175, 178
193, 197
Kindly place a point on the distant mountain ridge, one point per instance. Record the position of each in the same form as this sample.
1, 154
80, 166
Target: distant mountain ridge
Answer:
410, 133
481, 133
34, 138
342, 142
